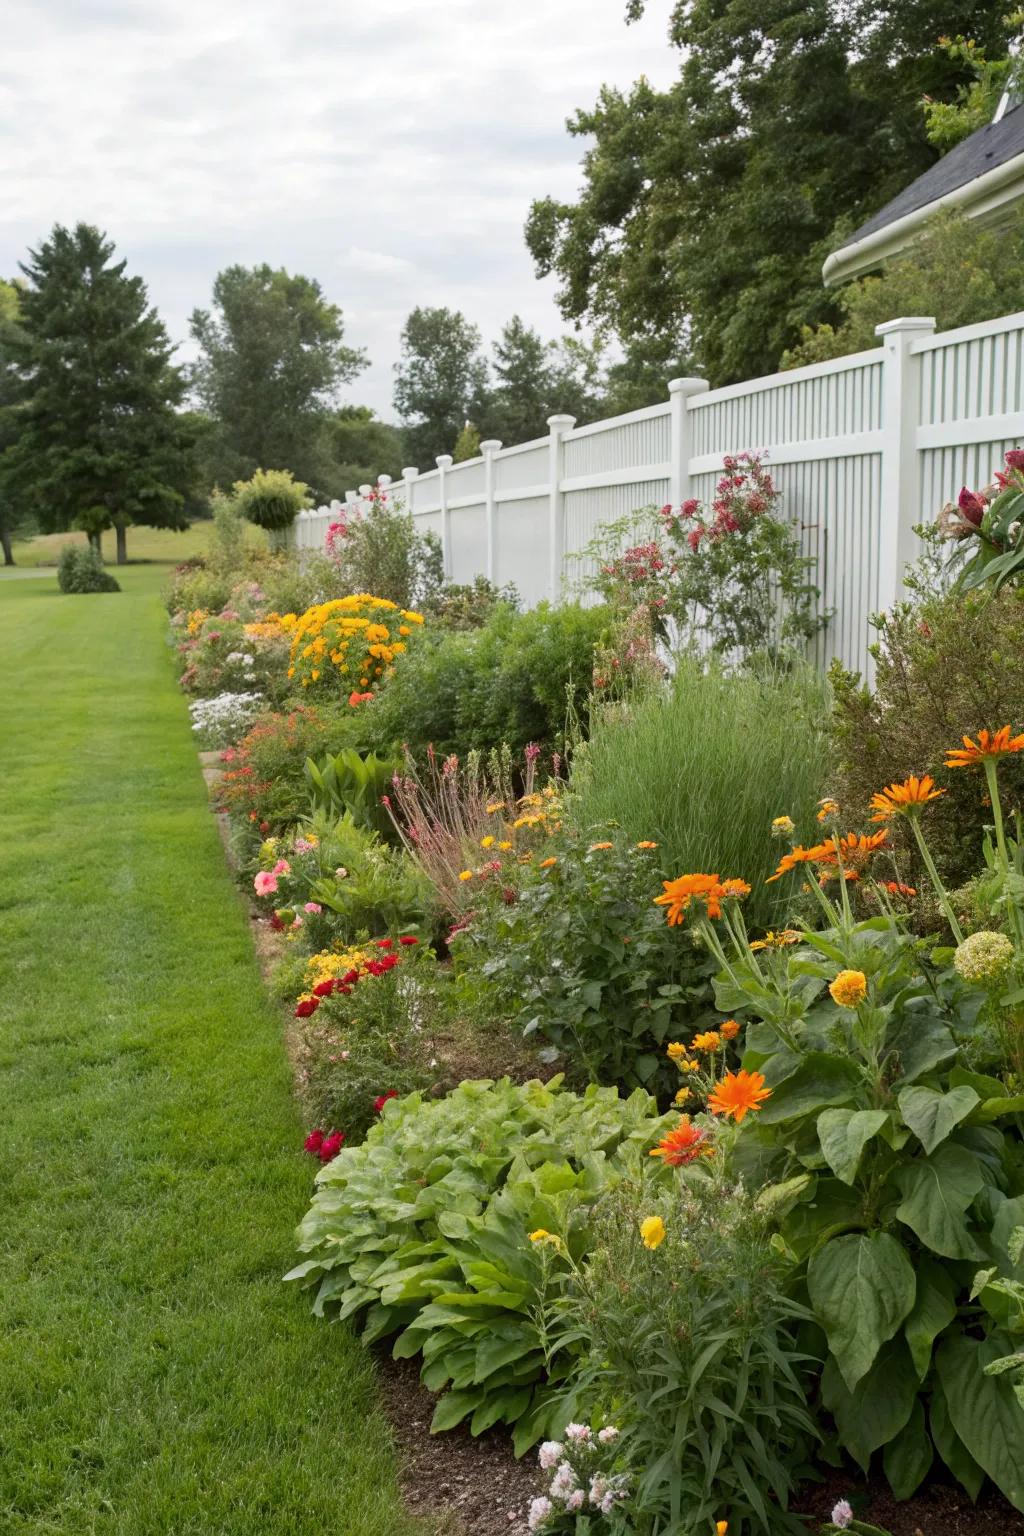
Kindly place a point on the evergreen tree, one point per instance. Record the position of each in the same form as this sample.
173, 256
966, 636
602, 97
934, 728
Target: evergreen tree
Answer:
272, 358
98, 439
467, 444
440, 382
14, 517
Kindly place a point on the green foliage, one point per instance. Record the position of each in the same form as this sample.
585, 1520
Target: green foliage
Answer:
272, 357
999, 537
14, 516
423, 1232
82, 570
944, 668
955, 271
467, 605
353, 783
265, 779
707, 208
384, 553
581, 957
691, 1350
440, 382
513, 681
948, 122
704, 768
99, 441
897, 1169
356, 448
534, 379
467, 444
272, 499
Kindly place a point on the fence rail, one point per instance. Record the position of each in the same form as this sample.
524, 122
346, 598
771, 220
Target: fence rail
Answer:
862, 447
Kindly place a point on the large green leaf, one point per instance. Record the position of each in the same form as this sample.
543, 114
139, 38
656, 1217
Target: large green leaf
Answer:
455, 1406
877, 1410
932, 1116
861, 1287
908, 1457
936, 1192
921, 1041
934, 1309
821, 1079
949, 1445
843, 1135
984, 1410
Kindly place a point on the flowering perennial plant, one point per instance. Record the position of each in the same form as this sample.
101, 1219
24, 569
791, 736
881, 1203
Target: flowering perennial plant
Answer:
987, 528
586, 1480
351, 640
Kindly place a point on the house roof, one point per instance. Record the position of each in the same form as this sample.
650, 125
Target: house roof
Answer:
964, 178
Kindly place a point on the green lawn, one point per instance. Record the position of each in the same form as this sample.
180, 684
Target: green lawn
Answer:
155, 1375
144, 544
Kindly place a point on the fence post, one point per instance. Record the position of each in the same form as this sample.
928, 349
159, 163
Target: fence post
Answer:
489, 449
410, 476
558, 426
901, 466
680, 392
444, 463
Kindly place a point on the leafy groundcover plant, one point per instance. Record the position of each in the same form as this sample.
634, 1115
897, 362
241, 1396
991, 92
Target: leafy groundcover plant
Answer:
423, 1232
888, 1141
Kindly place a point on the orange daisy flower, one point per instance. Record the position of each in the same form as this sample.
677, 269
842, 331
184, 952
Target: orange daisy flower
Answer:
897, 888
647, 845
799, 855
738, 1093
595, 846
729, 1030
904, 799
711, 1040
683, 1145
678, 894
989, 744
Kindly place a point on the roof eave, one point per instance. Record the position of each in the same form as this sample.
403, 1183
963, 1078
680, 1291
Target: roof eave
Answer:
987, 198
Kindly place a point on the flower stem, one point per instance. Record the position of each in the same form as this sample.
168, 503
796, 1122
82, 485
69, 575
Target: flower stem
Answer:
933, 874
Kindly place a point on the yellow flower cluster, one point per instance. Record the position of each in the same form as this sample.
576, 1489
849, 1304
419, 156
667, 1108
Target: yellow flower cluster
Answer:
273, 626
196, 619
540, 809
358, 636
331, 965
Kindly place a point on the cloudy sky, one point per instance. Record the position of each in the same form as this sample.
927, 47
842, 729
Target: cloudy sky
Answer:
390, 148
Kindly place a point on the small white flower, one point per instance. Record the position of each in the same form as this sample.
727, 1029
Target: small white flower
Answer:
564, 1481
550, 1454
577, 1431
608, 1434
576, 1500
539, 1511
598, 1489
842, 1515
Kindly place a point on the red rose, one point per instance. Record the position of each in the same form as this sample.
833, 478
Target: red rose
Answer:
323, 989
310, 1005
332, 1146
407, 939
378, 1104
314, 1141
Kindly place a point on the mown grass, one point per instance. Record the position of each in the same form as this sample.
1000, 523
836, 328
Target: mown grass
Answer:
144, 544
156, 1378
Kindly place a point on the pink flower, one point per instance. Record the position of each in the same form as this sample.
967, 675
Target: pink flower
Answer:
1015, 458
332, 1146
282, 867
971, 505
265, 884
314, 907
842, 1515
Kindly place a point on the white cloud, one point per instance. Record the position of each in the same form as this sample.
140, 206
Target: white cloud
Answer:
389, 149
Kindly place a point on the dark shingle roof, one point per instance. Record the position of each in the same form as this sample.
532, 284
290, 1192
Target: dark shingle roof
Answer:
985, 149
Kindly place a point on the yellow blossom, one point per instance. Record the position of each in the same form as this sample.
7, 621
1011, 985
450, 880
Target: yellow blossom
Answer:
465, 874
849, 988
652, 1231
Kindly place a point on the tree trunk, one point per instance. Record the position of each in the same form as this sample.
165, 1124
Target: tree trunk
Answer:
95, 541
122, 543
5, 544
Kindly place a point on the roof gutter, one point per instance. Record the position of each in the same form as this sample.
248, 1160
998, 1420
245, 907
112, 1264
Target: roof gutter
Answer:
987, 198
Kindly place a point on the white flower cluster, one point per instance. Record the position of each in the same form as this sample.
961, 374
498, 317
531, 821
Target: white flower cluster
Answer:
579, 1480
226, 716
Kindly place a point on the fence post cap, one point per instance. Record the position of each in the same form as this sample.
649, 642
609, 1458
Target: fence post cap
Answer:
410, 472
906, 323
364, 490
383, 480
351, 496
687, 386
444, 461
561, 423
490, 445
335, 505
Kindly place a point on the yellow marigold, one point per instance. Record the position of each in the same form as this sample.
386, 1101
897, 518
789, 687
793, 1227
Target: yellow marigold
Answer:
774, 940
729, 1030
499, 805
783, 826
989, 744
487, 842
465, 874
682, 1096
676, 1051
710, 1040
904, 799
849, 988
652, 1231
543, 1236
505, 846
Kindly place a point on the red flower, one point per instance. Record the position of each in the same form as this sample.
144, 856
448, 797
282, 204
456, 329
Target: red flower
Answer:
971, 506
308, 1006
331, 1146
314, 1141
350, 978
264, 826
384, 943
408, 939
375, 967
378, 1104
323, 988
276, 923
1015, 458
388, 963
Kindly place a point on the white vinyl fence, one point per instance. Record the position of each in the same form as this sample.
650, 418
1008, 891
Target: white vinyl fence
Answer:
862, 447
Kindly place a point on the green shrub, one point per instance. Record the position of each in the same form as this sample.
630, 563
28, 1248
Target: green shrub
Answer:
80, 569
703, 769
272, 499
423, 1231
382, 552
514, 681
264, 781
691, 1345
944, 668
578, 954
467, 605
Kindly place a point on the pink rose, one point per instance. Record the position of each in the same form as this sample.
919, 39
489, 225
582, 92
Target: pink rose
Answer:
313, 906
265, 884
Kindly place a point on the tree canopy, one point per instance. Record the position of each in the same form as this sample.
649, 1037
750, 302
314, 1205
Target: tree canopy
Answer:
707, 209
440, 382
97, 437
